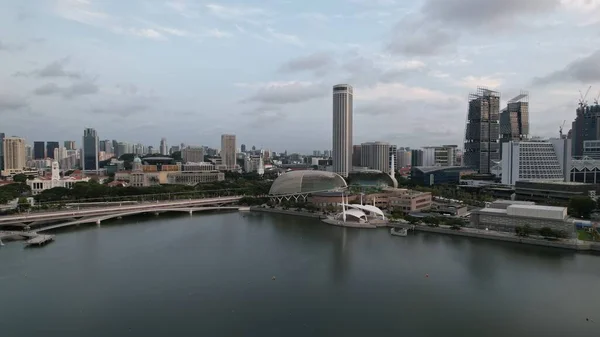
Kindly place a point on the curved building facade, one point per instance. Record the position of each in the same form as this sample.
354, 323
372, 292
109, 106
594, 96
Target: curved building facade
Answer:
342, 129
301, 183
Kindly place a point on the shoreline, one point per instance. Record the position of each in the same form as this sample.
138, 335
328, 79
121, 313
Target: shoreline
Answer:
579, 246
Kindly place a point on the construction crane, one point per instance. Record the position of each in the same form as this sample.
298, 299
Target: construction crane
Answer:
582, 101
560, 128
597, 98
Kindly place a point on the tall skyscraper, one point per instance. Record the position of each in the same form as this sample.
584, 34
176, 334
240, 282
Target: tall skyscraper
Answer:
376, 156
356, 155
163, 147
89, 154
416, 158
342, 129
393, 158
13, 150
228, 149
70, 145
243, 148
50, 147
403, 157
586, 127
514, 120
115, 147
39, 150
482, 133
1, 152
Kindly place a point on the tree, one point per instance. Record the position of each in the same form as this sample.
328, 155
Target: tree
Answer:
23, 204
20, 178
581, 207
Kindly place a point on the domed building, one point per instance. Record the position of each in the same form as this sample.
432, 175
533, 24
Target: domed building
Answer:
297, 185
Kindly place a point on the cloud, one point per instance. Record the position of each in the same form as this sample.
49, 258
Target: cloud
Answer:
285, 38
252, 15
11, 103
483, 81
121, 109
383, 91
53, 69
217, 33
318, 62
375, 3
81, 88
413, 37
314, 16
583, 70
10, 47
284, 92
473, 13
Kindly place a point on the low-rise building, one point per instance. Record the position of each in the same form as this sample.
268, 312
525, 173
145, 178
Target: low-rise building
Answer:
506, 216
556, 192
38, 185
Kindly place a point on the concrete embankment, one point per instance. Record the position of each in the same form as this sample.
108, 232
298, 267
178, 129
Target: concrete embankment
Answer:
580, 246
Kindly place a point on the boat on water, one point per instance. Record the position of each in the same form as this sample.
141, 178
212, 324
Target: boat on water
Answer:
399, 231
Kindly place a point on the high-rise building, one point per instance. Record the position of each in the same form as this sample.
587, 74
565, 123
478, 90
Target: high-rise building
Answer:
28, 152
403, 156
1, 152
514, 120
89, 156
13, 150
356, 156
50, 147
163, 147
243, 148
228, 149
444, 155
536, 160
586, 127
39, 150
393, 159
376, 156
342, 128
193, 154
482, 147
69, 144
416, 158
60, 153
115, 147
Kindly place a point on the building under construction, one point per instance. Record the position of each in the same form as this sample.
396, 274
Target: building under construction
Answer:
482, 146
585, 131
514, 119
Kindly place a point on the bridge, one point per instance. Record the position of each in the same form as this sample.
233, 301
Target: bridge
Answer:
97, 215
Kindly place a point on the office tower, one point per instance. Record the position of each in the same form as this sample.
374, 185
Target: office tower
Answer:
243, 147
403, 156
69, 145
115, 147
342, 129
50, 147
193, 154
327, 153
444, 155
1, 152
482, 147
39, 150
173, 149
393, 159
28, 152
90, 150
228, 151
13, 150
514, 120
253, 148
585, 127
163, 146
416, 158
316, 153
376, 156
356, 156
60, 153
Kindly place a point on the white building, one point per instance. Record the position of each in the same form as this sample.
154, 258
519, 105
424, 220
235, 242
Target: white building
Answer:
439, 155
45, 183
536, 160
342, 129
254, 164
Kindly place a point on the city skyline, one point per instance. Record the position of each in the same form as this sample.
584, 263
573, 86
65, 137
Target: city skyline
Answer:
72, 63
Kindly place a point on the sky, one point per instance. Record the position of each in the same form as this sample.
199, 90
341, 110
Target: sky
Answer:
191, 70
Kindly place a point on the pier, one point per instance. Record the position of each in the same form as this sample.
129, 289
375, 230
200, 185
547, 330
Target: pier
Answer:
39, 240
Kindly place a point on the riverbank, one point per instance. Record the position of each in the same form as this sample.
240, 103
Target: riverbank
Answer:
287, 212
572, 244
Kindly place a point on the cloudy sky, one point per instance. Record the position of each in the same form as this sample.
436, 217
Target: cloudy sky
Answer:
190, 70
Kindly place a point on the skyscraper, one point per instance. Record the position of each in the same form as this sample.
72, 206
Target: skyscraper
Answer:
514, 120
39, 150
1, 152
356, 155
13, 149
50, 147
89, 155
342, 129
416, 158
243, 147
482, 146
70, 145
393, 158
228, 149
376, 156
163, 147
586, 127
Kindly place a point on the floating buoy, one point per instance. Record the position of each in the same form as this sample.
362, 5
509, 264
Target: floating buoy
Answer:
426, 275
273, 278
